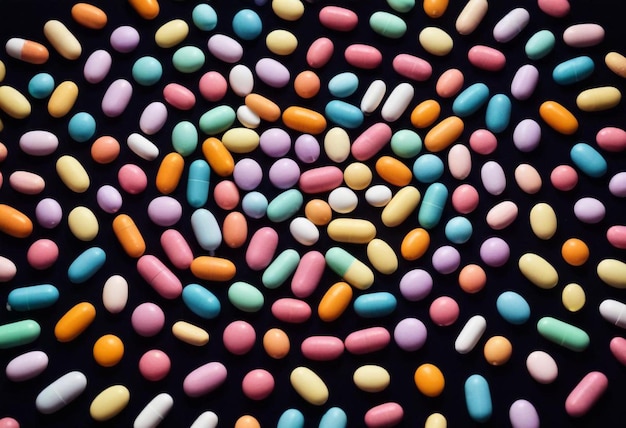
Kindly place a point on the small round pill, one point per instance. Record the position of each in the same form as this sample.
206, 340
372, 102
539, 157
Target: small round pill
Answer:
444, 311
497, 350
108, 350
154, 365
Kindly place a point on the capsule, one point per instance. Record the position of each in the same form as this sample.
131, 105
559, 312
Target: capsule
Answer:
86, 264
19, 333
470, 334
198, 183
387, 25
498, 113
72, 173
335, 301
558, 117
470, 100
201, 301
74, 322
190, 334
384, 415
14, 222
261, 248
432, 205
563, 334
412, 67
478, 398
356, 231
510, 25
573, 70
616, 62
157, 409
147, 9
613, 311
129, 236
401, 206
588, 160
363, 56
162, 280
280, 269
598, 99
14, 103
425, 114
320, 180
374, 305
486, 58
367, 340
304, 120
265, 108
586, 393
60, 37
444, 134
338, 18
320, 52
27, 51
538, 271
284, 205
612, 272
27, 366
397, 102
343, 114
206, 229
62, 99
352, 270
371, 141
32, 297
471, 16
61, 392
169, 173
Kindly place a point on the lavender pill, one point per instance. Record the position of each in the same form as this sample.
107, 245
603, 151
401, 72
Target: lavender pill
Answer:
109, 199
275, 142
446, 259
124, 39
589, 210
416, 284
165, 211
307, 148
617, 185
284, 173
527, 135
410, 334
247, 174
495, 252
49, 213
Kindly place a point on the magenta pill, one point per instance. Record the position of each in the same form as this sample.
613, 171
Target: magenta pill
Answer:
527, 135
247, 174
226, 195
257, 384
42, 254
416, 284
444, 311
564, 178
617, 185
239, 337
494, 251
307, 148
410, 334
124, 39
275, 142
483, 142
284, 173
589, 210
154, 365
132, 179
147, 319
465, 198
109, 199
165, 211
446, 259
49, 213
213, 86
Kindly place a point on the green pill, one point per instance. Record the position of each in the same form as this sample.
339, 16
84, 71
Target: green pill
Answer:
406, 143
401, 6
387, 25
217, 120
188, 59
18, 333
245, 297
185, 138
563, 334
352, 270
284, 205
280, 269
540, 44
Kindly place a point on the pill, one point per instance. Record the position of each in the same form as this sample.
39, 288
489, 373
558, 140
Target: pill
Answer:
292, 418
528, 178
478, 398
371, 378
304, 120
444, 311
373, 96
204, 17
497, 350
586, 393
470, 100
387, 25
14, 103
320, 52
498, 113
291, 310
41, 85
495, 252
83, 223
190, 334
171, 33
367, 340
486, 58
410, 334
471, 16
97, 66
493, 178
129, 236
225, 48
483, 142
432, 206
511, 24
343, 84
289, 10
89, 16
442, 135
435, 41
436, 420
384, 415
397, 102
472, 278
403, 5
26, 366
583, 35
616, 62
612, 310
27, 183
470, 334
617, 348
540, 44
338, 18
147, 9
616, 235
245, 297
542, 367
349, 268
378, 195
400, 207
309, 385
162, 280
62, 40
109, 403
522, 414
524, 82
450, 83
272, 72
573, 70
371, 141
344, 114
429, 380
280, 269
27, 50
554, 8
598, 99
61, 392
538, 270
513, 307
573, 297
276, 343
307, 84
156, 410
611, 272
257, 384
459, 161
201, 301
74, 322
32, 297
589, 210
412, 67
502, 215
322, 348
115, 294
561, 333
281, 42
373, 305
108, 350
363, 56
611, 139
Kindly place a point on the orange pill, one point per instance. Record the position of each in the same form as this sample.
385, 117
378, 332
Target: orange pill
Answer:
575, 252
318, 212
14, 222
472, 278
213, 268
276, 343
74, 322
89, 15
429, 380
218, 156
335, 301
425, 114
247, 421
415, 244
558, 117
497, 350
108, 350
105, 150
27, 50
263, 107
307, 84
235, 229
393, 171
147, 9
129, 236
444, 133
435, 8
169, 173
304, 120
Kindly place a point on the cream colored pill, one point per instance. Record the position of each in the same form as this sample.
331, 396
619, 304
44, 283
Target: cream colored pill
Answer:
83, 223
378, 195
115, 294
357, 176
573, 297
309, 385
460, 161
281, 42
14, 103
598, 99
528, 178
289, 10
189, 333
371, 378
247, 117
72, 174
502, 215
240, 140
435, 41
612, 272
62, 99
343, 200
61, 38
171, 33
543, 221
616, 63
538, 270
471, 16
351, 230
109, 403
401, 205
337, 145
382, 257
436, 420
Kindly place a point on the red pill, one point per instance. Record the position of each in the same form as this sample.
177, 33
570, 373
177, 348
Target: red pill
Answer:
320, 52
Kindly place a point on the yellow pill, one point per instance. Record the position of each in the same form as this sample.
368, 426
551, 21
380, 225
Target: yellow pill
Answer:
558, 117
83, 223
240, 140
62, 99
357, 176
436, 420
598, 99
425, 113
61, 39
108, 350
189, 333
281, 42
537, 270
497, 350
435, 41
543, 221
401, 206
616, 62
429, 380
337, 145
382, 257
573, 297
3, 71
318, 212
109, 403
351, 230
289, 10
335, 301
415, 244
74, 322
612, 272
14, 103
371, 378
443, 134
72, 174
171, 33
276, 343
309, 386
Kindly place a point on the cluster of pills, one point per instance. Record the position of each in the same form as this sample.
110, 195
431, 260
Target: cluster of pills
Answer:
297, 180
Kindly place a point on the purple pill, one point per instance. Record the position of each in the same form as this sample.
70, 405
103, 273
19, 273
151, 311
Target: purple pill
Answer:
410, 334
165, 211
617, 185
275, 142
247, 174
446, 259
124, 39
495, 252
524, 82
307, 148
284, 173
49, 213
416, 284
109, 199
272, 72
589, 210
523, 414
527, 135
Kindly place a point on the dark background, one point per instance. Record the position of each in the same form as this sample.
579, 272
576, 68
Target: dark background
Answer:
508, 383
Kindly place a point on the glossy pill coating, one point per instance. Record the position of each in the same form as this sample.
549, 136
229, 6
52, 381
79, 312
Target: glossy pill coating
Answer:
459, 161
384, 415
18, 333
471, 16
416, 284
573, 297
522, 414
281, 42
204, 379
162, 280
611, 139
245, 297
147, 9
14, 103
201, 301
538, 270
502, 215
309, 385
470, 334
304, 120
225, 48
367, 340
558, 117
377, 304
598, 99
363, 56
486, 58
528, 178
115, 294
371, 378
352, 270
291, 418
276, 343
444, 311
387, 24
89, 16
472, 278
63, 41
401, 205
542, 367
524, 82
204, 17
442, 135
410, 334
334, 417
61, 392
281, 268
74, 322
513, 307
540, 44
433, 203
412, 67
155, 411
32, 297
618, 346
97, 66
435, 41
586, 393
190, 333
611, 310
563, 334
26, 366
338, 18
322, 348
291, 310
478, 398
129, 236
425, 114
108, 350
27, 50
554, 8
38, 143
335, 301
27, 183
611, 271
470, 100
497, 350
109, 403
583, 35
450, 83
511, 24
171, 33
616, 62
573, 70
493, 177
589, 210
257, 384
429, 380
86, 265
498, 113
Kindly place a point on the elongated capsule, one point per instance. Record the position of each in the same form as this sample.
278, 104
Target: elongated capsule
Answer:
616, 62
352, 270
201, 301
397, 102
598, 99
60, 37
155, 411
206, 229
304, 120
614, 312
432, 205
198, 183
586, 393
281, 268
444, 134
471, 16
163, 280
74, 322
189, 333
86, 264
308, 274
478, 398
511, 24
109, 403
89, 16
538, 271
373, 96
72, 173
129, 236
355, 231
612, 272
367, 340
32, 297
470, 334
62, 99
27, 50
558, 117
401, 206
169, 173
335, 301
14, 103
61, 392
309, 385
563, 334
27, 366
14, 222
573, 70
19, 333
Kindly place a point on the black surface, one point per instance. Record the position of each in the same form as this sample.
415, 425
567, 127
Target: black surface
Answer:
507, 383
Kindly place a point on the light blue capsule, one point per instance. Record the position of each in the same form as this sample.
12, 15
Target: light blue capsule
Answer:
86, 265
573, 70
588, 160
428, 168
513, 307
459, 230
498, 113
247, 24
280, 269
184, 138
373, 305
406, 143
470, 100
291, 418
343, 84
344, 114
81, 127
41, 85
188, 59
198, 183
204, 17
540, 44
147, 71
206, 229
285, 205
201, 301
432, 205
254, 205
334, 417
32, 297
478, 398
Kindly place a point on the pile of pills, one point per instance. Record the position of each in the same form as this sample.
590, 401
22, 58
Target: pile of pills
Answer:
278, 213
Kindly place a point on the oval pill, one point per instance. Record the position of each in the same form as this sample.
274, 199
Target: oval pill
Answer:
371, 378
309, 385
586, 393
478, 398
61, 392
26, 366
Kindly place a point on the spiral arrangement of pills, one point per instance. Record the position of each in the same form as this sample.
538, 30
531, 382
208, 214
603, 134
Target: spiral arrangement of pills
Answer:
286, 213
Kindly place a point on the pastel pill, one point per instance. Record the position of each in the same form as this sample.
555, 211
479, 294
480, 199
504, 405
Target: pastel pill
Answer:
502, 215
583, 35
32, 297
337, 144
432, 206
205, 379
367, 340
125, 39
305, 120
412, 67
179, 96
373, 96
41, 85
540, 44
384, 415
338, 18
611, 272
204, 17
573, 297
617, 346
611, 139
511, 24
349, 268
190, 334
498, 113
371, 141
308, 274
157, 409
261, 248
471, 16
401, 206
115, 294
291, 310
86, 265
153, 118
307, 84
459, 161
284, 205
160, 278
26, 366
320, 52
493, 178
27, 183
116, 98
538, 270
212, 268
387, 24
225, 48
555, 8
291, 418
425, 113
528, 178
97, 66
212, 85
198, 182
281, 268
276, 343
435, 41
142, 147
320, 180
219, 157
478, 398
355, 231
589, 210
363, 56
588, 160
616, 62
444, 134
109, 199
206, 229
272, 72
410, 334
343, 84
335, 301
573, 70
62, 99
586, 393
522, 414
397, 102
109, 403
344, 114
89, 16
470, 334
563, 334
470, 100
257, 384
235, 229
74, 322
436, 420
289, 10
201, 301
486, 58
14, 103
129, 235
176, 248
18, 333
617, 184
281, 42
132, 179
598, 99
334, 417
63, 41
542, 367
373, 305
309, 385
27, 50
171, 33
616, 235
8, 270
450, 83
108, 350
322, 348
61, 392
513, 307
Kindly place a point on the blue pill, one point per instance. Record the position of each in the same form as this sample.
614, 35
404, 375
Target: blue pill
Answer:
478, 398
82, 126
470, 100
32, 297
198, 183
254, 205
86, 265
459, 230
201, 301
291, 418
204, 17
573, 70
513, 307
147, 71
247, 24
41, 85
428, 168
344, 114
432, 205
372, 305
498, 113
343, 84
334, 417
588, 160
206, 229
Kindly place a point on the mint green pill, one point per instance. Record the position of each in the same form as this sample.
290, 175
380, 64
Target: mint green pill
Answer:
18, 333
352, 270
185, 138
217, 120
563, 334
387, 25
401, 6
540, 44
147, 71
245, 297
280, 269
406, 143
188, 59
285, 205
204, 17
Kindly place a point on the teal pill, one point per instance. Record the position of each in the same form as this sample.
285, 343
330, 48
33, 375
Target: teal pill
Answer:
478, 398
184, 138
188, 59
32, 297
344, 114
428, 168
201, 301
498, 113
458, 230
204, 17
280, 269
147, 71
387, 25
401, 6
254, 204
81, 127
217, 120
374, 305
406, 143
198, 183
540, 44
334, 417
41, 85
245, 297
285, 205
432, 205
18, 333
291, 418
561, 333
247, 24
343, 84
470, 100
573, 70
588, 160
86, 265
513, 307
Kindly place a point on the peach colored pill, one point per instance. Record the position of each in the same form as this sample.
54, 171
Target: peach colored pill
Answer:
318, 212
443, 134
276, 343
265, 108
307, 84
558, 117
472, 278
89, 16
226, 195
616, 62
415, 244
450, 83
105, 150
471, 16
304, 120
497, 350
27, 183
486, 58
425, 113
27, 50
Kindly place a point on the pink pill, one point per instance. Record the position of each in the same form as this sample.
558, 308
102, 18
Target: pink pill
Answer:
307, 148
416, 284
261, 248
320, 180
132, 179
494, 252
247, 174
116, 98
486, 58
446, 259
176, 248
8, 422
226, 195
42, 254
618, 349
153, 118
583, 35
320, 52
239, 337
290, 310
124, 39
384, 415
483, 142
213, 86
148, 319
308, 274
616, 235
564, 178
257, 384
275, 142
412, 67
179, 96
205, 379
160, 278
527, 135
284, 173
49, 213
26, 183
555, 8
611, 139
586, 393
322, 348
338, 18
367, 340
371, 141
444, 311
465, 198
363, 56
450, 83
154, 365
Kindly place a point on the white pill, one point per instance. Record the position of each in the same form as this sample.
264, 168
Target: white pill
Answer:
142, 147
241, 80
378, 195
304, 231
373, 96
470, 334
397, 102
343, 200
